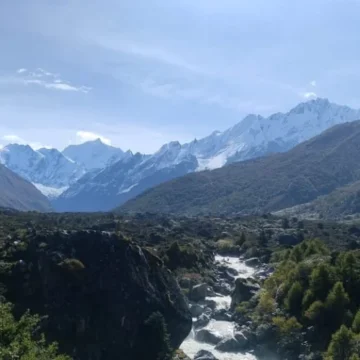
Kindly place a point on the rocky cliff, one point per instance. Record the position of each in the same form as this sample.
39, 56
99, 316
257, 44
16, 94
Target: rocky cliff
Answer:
96, 292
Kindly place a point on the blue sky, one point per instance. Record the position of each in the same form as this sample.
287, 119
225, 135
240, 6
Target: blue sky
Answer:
140, 73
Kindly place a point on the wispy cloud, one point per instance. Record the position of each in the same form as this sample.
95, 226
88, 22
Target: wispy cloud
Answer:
47, 80
313, 83
84, 136
15, 139
309, 95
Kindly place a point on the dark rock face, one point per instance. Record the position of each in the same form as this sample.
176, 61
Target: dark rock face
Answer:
97, 292
244, 290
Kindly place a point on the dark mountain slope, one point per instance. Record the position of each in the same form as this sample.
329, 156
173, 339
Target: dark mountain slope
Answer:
313, 168
336, 205
17, 193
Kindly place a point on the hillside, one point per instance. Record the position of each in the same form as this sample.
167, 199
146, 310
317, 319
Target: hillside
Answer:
337, 205
19, 194
313, 168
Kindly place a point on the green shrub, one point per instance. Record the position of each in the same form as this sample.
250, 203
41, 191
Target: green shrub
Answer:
17, 340
286, 326
72, 265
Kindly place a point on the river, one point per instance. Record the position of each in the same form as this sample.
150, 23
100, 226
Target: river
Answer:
191, 346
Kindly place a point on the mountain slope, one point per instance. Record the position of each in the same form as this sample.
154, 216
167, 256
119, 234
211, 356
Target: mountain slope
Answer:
127, 178
311, 169
19, 194
338, 204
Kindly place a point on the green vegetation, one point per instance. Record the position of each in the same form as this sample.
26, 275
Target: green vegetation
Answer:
17, 339
157, 345
313, 287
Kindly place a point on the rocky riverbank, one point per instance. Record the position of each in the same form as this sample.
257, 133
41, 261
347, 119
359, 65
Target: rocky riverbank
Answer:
218, 332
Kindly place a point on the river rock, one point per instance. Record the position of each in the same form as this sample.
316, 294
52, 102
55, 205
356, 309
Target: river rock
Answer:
253, 262
204, 355
241, 339
222, 315
210, 292
208, 336
198, 292
223, 288
229, 344
202, 321
196, 310
211, 304
244, 290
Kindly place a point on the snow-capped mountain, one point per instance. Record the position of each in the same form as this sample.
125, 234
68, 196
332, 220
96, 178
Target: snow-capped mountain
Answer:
103, 190
254, 136
47, 169
51, 171
93, 154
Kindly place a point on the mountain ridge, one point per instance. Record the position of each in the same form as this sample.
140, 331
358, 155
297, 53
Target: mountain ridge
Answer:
252, 137
311, 169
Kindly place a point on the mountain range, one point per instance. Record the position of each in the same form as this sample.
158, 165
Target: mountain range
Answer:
312, 169
97, 177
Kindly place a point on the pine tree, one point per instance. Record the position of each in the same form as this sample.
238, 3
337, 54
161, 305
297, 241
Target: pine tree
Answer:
341, 345
293, 299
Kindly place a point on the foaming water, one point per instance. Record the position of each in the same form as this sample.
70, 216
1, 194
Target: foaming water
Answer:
236, 264
225, 328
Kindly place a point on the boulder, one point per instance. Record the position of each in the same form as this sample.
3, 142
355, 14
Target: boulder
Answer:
223, 288
102, 298
198, 292
196, 310
222, 315
253, 262
204, 355
210, 303
244, 290
202, 321
208, 336
241, 339
229, 344
210, 292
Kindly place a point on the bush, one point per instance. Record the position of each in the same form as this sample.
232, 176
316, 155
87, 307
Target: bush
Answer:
266, 305
17, 340
316, 312
72, 265
156, 346
286, 326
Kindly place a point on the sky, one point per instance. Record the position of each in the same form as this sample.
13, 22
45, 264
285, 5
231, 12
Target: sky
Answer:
140, 73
